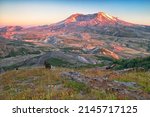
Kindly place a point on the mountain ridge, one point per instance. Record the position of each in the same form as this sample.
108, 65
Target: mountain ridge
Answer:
97, 18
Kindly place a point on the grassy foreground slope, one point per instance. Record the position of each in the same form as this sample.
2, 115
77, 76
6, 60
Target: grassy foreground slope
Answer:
41, 83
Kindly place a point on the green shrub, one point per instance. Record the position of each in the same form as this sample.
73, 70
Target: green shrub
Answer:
77, 86
133, 63
59, 62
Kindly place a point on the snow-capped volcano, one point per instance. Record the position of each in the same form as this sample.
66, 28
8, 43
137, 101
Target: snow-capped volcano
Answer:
100, 22
99, 18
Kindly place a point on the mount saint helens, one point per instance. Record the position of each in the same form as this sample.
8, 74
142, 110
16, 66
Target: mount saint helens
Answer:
82, 36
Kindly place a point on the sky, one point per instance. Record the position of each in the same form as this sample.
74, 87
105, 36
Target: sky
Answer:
42, 12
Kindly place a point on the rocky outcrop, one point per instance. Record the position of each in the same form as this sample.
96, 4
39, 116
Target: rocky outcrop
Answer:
52, 40
109, 53
104, 83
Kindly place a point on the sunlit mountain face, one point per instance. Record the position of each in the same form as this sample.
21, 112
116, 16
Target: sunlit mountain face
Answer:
100, 18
